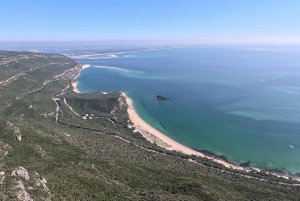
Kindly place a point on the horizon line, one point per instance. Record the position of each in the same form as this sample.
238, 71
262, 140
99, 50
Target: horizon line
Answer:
153, 42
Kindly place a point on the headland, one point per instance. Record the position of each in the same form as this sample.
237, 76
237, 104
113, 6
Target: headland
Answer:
155, 136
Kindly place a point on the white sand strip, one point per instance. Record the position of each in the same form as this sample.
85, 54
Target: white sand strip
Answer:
153, 135
75, 83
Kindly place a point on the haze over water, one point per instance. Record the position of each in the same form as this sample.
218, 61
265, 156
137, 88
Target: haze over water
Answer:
241, 102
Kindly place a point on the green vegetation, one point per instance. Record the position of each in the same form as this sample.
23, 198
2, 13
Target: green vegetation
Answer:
91, 154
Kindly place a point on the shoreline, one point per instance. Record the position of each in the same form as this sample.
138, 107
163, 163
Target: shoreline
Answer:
114, 54
75, 83
155, 136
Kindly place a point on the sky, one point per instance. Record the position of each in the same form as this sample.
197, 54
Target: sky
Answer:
172, 21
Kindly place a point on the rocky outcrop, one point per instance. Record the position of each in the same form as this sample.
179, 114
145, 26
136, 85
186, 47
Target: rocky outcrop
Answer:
42, 182
22, 193
161, 97
20, 172
18, 136
23, 185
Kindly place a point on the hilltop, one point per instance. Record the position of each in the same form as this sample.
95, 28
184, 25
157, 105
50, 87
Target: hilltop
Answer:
59, 145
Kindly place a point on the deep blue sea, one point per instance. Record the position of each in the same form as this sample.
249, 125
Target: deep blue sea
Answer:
241, 102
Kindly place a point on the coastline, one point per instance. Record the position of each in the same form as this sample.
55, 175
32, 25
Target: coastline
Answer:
155, 136
75, 83
114, 54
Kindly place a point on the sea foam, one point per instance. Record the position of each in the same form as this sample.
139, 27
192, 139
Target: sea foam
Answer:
111, 67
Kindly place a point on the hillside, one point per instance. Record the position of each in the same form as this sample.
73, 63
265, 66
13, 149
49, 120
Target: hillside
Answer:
59, 145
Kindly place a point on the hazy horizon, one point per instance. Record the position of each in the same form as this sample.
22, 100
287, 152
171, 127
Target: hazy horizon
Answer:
169, 22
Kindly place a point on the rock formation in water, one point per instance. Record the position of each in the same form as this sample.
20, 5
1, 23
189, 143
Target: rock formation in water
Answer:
161, 97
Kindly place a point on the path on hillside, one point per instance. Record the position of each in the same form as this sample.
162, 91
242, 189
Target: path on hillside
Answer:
164, 153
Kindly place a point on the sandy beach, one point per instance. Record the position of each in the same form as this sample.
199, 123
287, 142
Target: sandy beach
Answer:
74, 84
115, 54
84, 66
153, 135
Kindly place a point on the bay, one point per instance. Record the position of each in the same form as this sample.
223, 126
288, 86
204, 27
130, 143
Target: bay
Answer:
241, 102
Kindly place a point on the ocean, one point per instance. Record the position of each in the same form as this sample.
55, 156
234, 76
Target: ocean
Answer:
237, 101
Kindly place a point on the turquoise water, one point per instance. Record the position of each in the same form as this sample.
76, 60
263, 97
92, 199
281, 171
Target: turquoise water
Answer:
241, 102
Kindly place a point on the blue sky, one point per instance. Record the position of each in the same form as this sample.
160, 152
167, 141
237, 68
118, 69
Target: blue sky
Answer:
174, 21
